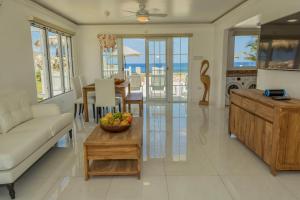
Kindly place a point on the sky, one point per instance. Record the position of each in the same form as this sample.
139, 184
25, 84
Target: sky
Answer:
240, 46
180, 46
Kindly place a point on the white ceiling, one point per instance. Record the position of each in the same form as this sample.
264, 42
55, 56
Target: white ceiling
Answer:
179, 11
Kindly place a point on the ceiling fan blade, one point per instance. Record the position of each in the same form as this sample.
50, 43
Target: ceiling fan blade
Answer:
158, 15
129, 11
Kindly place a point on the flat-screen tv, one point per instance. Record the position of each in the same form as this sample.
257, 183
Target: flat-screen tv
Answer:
279, 46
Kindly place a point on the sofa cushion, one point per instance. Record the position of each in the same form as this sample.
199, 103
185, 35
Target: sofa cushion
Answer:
23, 140
14, 109
60, 122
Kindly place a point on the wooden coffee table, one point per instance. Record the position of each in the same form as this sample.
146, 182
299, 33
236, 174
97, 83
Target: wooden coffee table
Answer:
109, 154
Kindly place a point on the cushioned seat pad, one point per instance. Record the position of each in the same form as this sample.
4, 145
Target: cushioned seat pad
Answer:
26, 138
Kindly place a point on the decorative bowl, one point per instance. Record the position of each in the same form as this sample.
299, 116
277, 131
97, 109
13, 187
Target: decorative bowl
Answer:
114, 129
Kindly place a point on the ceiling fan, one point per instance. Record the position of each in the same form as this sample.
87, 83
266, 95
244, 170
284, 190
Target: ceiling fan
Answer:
143, 15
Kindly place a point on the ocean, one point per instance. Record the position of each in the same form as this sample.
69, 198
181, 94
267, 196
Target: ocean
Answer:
244, 64
177, 67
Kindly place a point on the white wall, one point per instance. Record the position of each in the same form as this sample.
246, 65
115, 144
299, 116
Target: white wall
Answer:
16, 60
209, 41
267, 10
201, 45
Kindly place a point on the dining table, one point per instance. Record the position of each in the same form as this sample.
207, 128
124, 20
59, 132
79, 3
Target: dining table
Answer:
119, 88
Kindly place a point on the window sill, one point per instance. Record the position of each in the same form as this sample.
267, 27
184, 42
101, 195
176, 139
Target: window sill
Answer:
50, 98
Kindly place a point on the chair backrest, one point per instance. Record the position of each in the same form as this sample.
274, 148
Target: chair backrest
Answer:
119, 75
158, 81
77, 87
82, 81
138, 70
105, 93
135, 82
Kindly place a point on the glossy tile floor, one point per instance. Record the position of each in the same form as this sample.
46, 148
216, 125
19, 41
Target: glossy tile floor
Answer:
187, 155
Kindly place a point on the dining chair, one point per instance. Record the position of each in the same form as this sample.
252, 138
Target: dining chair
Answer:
77, 87
135, 82
158, 84
83, 83
119, 75
105, 97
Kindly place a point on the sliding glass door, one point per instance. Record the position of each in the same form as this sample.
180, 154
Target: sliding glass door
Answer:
157, 69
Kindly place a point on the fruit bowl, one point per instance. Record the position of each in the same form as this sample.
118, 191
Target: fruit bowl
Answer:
119, 81
117, 122
114, 129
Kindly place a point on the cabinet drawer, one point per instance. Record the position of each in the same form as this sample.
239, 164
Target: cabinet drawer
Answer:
236, 99
248, 104
264, 112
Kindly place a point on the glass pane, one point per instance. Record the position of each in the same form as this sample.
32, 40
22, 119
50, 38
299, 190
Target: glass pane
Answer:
110, 64
69, 41
162, 47
157, 76
176, 45
40, 63
151, 47
245, 51
184, 63
55, 63
66, 64
135, 63
151, 62
184, 46
180, 69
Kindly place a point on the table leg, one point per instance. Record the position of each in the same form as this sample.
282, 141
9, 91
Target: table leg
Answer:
85, 105
128, 88
123, 94
86, 164
139, 164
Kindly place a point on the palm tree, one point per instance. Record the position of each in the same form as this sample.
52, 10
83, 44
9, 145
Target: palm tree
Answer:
252, 54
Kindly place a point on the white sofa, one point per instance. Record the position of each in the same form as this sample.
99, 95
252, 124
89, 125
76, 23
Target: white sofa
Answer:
26, 133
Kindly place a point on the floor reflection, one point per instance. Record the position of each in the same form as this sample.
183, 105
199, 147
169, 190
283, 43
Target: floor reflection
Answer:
186, 151
165, 126
179, 131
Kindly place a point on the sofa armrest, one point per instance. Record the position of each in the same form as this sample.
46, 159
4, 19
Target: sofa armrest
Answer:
42, 110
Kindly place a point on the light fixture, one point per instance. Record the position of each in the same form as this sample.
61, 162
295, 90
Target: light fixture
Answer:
292, 20
143, 18
107, 41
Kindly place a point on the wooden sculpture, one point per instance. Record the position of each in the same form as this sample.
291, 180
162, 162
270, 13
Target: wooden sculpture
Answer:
205, 79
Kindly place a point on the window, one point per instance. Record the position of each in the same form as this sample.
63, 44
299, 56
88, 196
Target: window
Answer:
66, 56
52, 61
243, 49
40, 63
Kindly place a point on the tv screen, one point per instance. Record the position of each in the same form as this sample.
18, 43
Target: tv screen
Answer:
279, 54
279, 46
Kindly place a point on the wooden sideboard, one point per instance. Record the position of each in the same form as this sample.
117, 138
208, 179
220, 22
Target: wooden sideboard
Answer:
269, 128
